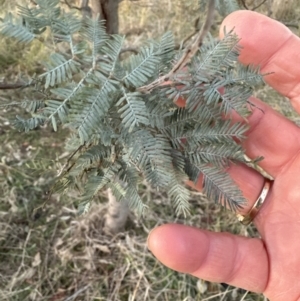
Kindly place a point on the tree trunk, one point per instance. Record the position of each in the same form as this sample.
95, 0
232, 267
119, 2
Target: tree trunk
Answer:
116, 216
108, 11
85, 9
117, 213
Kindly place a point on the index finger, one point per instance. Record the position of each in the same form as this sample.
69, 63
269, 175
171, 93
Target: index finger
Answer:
273, 47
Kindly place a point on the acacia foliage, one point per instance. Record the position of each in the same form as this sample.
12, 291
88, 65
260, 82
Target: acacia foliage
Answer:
119, 131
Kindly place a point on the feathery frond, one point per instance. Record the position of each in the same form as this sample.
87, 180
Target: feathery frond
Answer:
235, 99
91, 158
166, 52
60, 70
112, 50
133, 110
134, 199
218, 186
65, 27
60, 109
222, 132
179, 194
32, 19
14, 28
25, 125
140, 67
121, 135
220, 155
215, 56
200, 108
32, 106
94, 32
49, 10
157, 113
100, 180
97, 104
143, 149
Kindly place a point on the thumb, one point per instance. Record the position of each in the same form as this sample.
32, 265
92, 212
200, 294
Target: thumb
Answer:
216, 257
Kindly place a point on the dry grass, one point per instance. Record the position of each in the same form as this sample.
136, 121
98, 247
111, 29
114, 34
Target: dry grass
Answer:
58, 256
52, 254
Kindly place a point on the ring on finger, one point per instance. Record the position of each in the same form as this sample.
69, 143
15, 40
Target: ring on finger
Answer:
249, 217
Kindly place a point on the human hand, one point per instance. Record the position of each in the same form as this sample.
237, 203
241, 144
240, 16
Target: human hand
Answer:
270, 265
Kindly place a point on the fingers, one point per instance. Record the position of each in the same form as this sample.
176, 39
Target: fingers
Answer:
222, 257
216, 257
271, 45
272, 136
268, 43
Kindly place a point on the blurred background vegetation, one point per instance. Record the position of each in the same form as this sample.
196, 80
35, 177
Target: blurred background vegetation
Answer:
47, 251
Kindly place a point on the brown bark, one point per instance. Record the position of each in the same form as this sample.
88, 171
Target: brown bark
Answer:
108, 11
85, 9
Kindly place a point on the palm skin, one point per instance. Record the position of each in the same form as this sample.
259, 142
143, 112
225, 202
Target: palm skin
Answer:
270, 265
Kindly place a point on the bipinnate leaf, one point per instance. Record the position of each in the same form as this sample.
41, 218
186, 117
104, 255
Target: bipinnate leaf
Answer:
125, 126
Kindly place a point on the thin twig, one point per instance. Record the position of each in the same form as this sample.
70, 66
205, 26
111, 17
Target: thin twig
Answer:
193, 48
244, 4
6, 86
256, 7
189, 37
68, 161
196, 30
61, 173
188, 53
131, 49
71, 6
